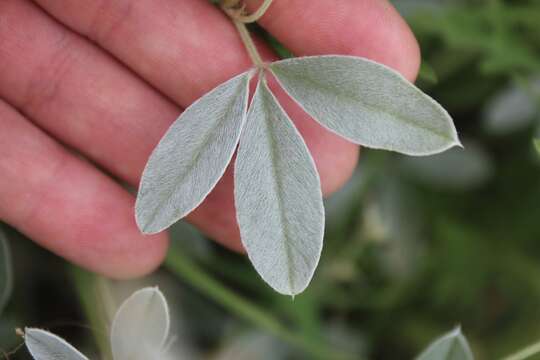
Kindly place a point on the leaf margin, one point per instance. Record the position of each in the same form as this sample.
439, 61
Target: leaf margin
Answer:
32, 332
454, 138
142, 227
262, 83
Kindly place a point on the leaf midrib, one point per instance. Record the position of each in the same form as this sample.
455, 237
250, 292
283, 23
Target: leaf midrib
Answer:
327, 89
278, 188
199, 150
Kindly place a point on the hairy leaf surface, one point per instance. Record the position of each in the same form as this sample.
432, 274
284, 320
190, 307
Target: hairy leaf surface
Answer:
278, 197
46, 346
141, 326
367, 103
452, 346
192, 156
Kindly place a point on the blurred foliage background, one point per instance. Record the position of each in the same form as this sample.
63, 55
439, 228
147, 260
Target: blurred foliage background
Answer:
414, 246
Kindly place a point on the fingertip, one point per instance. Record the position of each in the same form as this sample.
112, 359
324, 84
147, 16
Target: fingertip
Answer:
367, 28
375, 30
331, 180
142, 256
403, 54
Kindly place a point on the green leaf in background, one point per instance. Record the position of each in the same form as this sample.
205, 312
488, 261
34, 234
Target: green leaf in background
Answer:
427, 73
6, 272
452, 346
46, 346
367, 103
192, 156
537, 145
140, 327
278, 197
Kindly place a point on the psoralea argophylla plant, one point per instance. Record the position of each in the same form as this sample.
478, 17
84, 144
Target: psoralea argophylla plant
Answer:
139, 331
451, 346
278, 196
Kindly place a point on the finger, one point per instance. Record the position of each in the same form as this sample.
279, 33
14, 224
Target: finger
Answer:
87, 100
67, 206
141, 30
77, 93
367, 28
185, 48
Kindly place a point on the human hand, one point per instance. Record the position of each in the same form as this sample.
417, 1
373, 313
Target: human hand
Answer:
106, 78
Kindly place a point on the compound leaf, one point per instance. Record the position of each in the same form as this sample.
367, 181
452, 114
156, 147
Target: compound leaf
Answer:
278, 197
452, 346
192, 156
367, 103
44, 345
141, 326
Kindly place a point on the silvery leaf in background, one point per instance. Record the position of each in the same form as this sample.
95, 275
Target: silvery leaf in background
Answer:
140, 327
392, 219
46, 346
6, 271
452, 346
367, 103
456, 169
192, 156
278, 197
512, 109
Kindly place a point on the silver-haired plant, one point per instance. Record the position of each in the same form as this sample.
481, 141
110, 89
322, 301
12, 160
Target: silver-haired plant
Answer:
139, 331
277, 190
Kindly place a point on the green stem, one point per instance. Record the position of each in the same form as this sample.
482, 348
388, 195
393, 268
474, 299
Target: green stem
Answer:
87, 286
525, 353
249, 44
257, 14
180, 265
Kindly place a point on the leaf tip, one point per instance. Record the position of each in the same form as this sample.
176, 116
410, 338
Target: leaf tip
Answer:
456, 331
458, 143
145, 226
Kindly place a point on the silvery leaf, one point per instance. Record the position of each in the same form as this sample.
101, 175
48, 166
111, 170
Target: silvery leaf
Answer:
512, 109
367, 103
192, 156
141, 326
278, 197
46, 346
452, 346
6, 272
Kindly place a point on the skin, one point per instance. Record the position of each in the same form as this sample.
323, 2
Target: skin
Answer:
87, 89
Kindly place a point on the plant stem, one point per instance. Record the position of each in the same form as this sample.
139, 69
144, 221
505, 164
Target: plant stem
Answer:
87, 285
257, 14
249, 44
180, 265
525, 353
